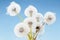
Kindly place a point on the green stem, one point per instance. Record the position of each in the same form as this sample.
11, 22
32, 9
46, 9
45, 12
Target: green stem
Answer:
20, 17
30, 35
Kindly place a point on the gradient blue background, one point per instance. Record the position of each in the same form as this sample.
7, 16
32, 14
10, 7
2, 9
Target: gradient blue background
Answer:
7, 23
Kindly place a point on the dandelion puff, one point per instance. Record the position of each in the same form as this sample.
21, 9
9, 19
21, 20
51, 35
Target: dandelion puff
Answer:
39, 28
49, 18
21, 30
13, 9
29, 21
38, 17
30, 11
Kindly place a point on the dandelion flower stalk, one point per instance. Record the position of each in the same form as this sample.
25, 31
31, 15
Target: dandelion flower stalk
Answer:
30, 35
20, 17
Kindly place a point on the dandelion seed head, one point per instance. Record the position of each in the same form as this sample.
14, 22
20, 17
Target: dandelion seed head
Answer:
50, 18
20, 30
13, 9
30, 11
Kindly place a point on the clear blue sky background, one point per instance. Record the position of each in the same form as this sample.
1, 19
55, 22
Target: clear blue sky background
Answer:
7, 23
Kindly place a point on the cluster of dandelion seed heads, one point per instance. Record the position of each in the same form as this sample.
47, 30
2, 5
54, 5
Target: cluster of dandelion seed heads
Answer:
34, 19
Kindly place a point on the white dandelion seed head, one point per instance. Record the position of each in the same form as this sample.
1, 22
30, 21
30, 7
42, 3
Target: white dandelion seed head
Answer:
13, 9
38, 17
29, 21
20, 30
39, 28
30, 11
50, 18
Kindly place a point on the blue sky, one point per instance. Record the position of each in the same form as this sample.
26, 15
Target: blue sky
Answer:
7, 23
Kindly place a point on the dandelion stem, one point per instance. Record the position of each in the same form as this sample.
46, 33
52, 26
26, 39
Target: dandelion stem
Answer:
20, 17
31, 33
30, 37
35, 35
